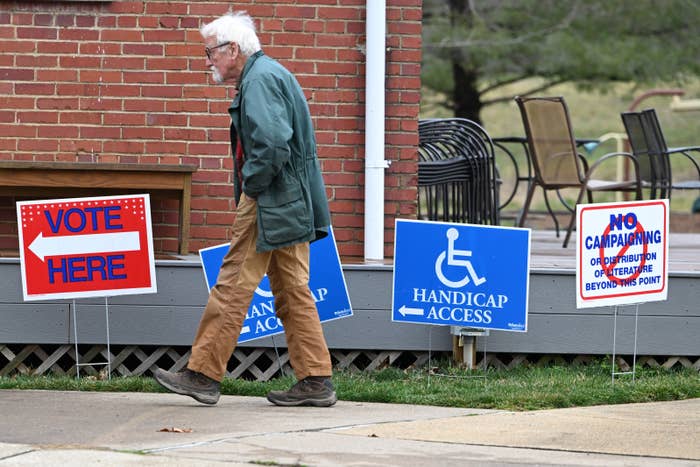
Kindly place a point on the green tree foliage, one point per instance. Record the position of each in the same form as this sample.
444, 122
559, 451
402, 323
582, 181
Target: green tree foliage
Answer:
473, 48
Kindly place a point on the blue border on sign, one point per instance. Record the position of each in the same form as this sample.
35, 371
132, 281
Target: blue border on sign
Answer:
461, 275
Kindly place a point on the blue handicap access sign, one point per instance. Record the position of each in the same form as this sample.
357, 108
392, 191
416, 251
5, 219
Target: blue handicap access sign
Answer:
327, 285
461, 275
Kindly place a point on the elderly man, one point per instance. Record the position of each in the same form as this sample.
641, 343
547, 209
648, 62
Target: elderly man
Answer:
281, 207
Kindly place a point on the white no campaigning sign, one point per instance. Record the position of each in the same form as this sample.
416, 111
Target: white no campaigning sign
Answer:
622, 253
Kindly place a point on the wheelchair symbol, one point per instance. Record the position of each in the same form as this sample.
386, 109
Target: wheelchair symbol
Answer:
452, 260
262, 292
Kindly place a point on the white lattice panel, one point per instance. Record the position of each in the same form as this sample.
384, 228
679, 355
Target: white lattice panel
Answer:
262, 364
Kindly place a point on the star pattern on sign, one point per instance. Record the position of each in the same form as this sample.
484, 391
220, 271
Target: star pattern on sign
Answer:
134, 205
27, 214
137, 208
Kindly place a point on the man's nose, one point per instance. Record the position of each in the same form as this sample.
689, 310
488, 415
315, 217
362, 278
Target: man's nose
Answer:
208, 62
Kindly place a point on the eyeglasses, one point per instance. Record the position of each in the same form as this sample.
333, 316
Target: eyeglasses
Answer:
208, 50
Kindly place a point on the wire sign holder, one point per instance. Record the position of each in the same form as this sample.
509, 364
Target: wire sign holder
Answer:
613, 373
622, 259
75, 338
86, 247
468, 349
450, 274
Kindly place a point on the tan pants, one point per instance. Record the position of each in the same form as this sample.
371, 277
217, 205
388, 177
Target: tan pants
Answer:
242, 270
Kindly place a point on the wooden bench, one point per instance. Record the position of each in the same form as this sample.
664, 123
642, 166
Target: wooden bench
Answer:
77, 179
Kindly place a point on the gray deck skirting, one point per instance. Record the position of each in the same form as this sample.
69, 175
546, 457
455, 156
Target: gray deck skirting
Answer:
170, 317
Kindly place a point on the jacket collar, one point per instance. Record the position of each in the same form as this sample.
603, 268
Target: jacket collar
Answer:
246, 68
248, 65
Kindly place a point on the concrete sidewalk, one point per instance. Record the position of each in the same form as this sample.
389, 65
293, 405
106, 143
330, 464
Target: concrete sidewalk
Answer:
89, 428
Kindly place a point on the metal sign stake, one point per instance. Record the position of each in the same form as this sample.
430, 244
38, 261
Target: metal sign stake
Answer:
634, 352
109, 353
279, 360
430, 349
75, 335
473, 334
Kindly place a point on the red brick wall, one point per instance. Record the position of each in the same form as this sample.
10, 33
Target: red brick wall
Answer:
126, 82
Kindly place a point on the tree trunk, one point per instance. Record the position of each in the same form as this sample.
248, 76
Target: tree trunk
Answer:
467, 103
465, 95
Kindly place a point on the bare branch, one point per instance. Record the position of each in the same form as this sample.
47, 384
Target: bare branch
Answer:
499, 84
532, 91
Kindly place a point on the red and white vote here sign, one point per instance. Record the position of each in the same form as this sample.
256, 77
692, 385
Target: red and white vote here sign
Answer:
86, 247
622, 253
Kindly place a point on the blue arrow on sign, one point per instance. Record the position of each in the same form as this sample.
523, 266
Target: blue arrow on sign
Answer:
461, 275
326, 282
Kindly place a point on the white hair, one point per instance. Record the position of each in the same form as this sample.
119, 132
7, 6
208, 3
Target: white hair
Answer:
236, 27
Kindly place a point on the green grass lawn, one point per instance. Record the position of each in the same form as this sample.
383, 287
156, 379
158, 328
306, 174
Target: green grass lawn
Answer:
524, 388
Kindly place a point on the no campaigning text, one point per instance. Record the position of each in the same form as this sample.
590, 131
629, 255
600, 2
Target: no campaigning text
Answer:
619, 240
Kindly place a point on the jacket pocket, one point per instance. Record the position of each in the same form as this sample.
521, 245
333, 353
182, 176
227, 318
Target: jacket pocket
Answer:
283, 215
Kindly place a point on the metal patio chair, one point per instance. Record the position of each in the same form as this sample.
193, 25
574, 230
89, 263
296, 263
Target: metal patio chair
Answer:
655, 157
556, 162
653, 171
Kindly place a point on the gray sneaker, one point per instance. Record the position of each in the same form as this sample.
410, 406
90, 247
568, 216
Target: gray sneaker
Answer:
190, 383
312, 390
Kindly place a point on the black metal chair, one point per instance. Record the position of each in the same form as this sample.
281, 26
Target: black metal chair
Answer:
652, 169
649, 147
456, 173
556, 162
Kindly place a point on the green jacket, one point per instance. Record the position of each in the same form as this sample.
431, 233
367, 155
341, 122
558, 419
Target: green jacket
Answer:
281, 169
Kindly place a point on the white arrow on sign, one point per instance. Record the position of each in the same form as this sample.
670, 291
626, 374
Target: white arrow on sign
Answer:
84, 244
245, 329
404, 310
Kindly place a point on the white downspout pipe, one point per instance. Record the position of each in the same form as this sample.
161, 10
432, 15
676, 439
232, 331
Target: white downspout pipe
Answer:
374, 130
